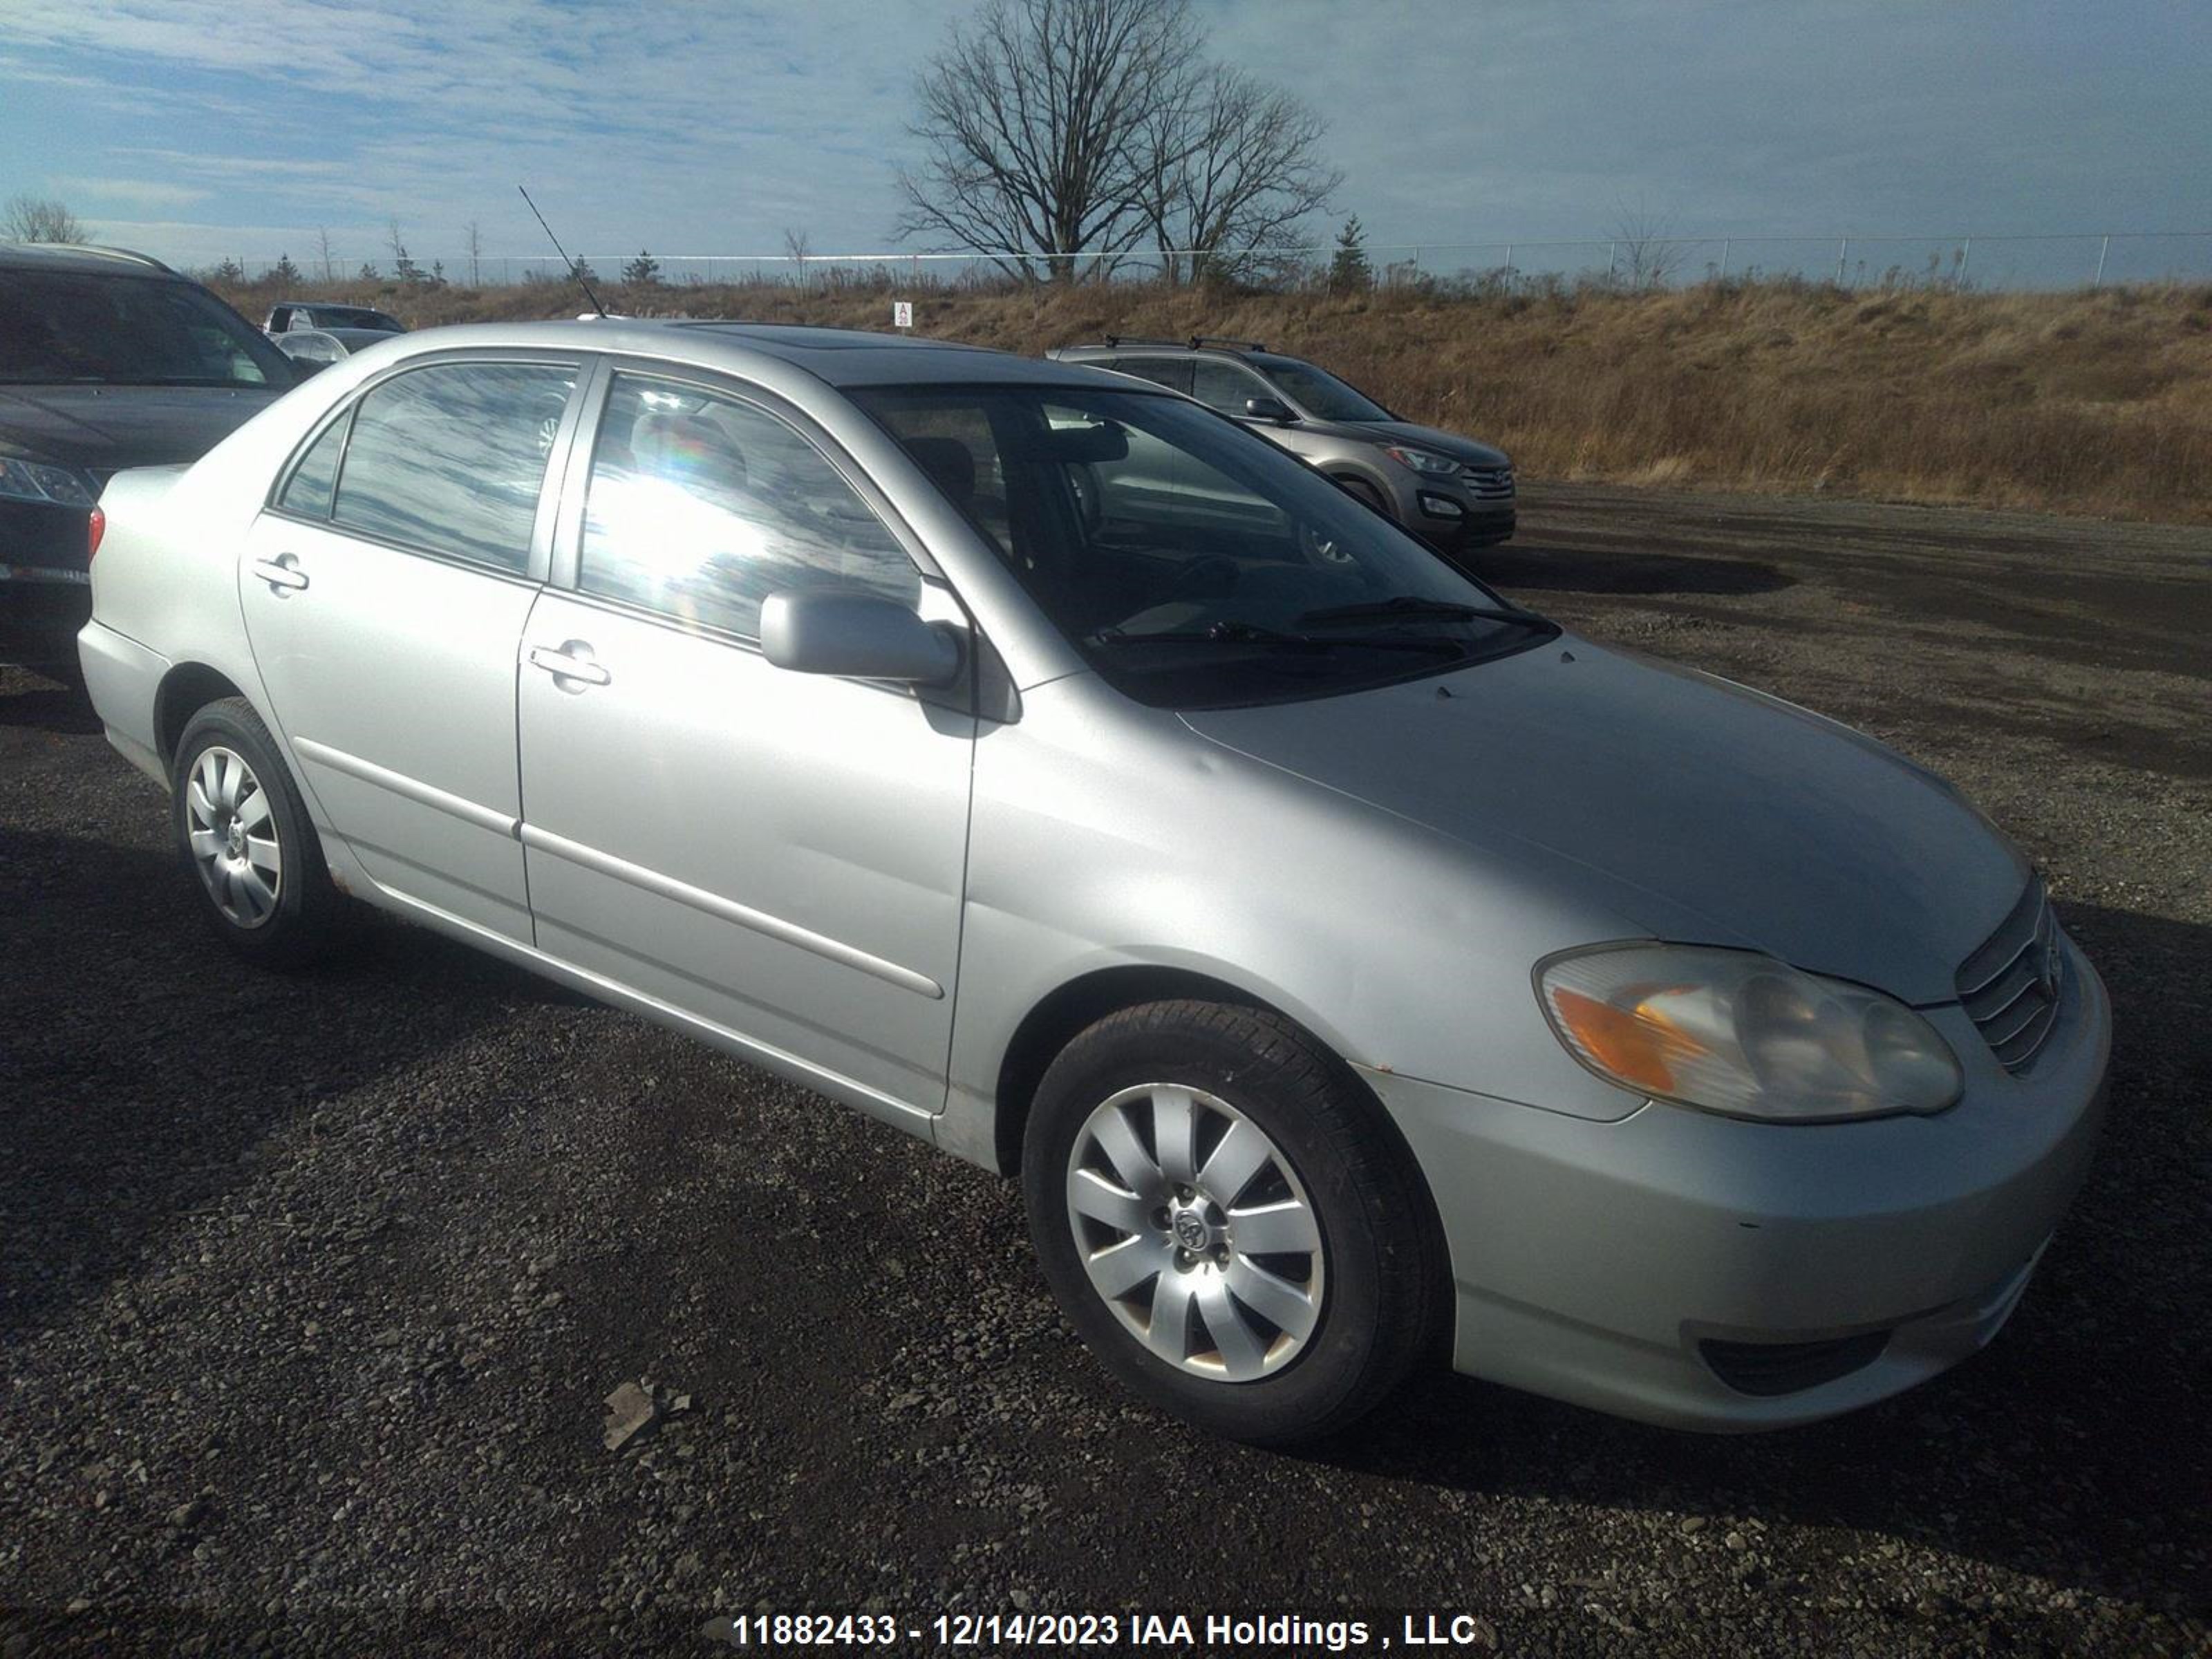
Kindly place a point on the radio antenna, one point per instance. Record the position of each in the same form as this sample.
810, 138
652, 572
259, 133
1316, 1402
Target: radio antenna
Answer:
574, 270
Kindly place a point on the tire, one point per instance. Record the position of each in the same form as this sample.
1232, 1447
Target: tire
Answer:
1363, 1299
245, 838
1368, 496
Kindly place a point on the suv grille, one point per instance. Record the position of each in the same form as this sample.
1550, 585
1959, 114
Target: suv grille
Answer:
1488, 483
2011, 987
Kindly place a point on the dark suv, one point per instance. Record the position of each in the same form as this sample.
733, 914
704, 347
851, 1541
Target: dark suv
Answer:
1450, 491
107, 360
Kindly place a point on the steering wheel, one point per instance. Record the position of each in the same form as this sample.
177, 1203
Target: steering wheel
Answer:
1323, 548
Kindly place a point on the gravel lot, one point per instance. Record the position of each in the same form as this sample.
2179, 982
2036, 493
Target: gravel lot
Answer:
311, 1289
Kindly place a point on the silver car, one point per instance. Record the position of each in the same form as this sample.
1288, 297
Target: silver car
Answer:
1346, 959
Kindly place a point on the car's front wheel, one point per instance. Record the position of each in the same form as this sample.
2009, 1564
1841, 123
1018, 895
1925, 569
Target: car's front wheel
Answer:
1227, 1220
243, 831
1368, 495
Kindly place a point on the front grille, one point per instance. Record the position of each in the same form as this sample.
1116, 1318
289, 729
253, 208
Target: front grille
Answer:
2011, 987
1774, 1367
1488, 483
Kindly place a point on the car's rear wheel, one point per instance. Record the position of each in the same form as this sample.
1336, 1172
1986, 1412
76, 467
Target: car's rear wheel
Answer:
1228, 1221
243, 831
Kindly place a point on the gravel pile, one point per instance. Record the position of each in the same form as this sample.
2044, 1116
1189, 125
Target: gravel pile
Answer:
313, 1292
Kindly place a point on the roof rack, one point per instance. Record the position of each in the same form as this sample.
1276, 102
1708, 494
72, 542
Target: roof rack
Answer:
1199, 340
1133, 339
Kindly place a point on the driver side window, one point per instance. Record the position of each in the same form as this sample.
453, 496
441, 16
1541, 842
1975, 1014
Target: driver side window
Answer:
1224, 386
699, 506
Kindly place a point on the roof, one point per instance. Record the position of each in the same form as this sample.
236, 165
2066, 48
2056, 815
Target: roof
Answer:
79, 256
842, 358
1198, 345
328, 305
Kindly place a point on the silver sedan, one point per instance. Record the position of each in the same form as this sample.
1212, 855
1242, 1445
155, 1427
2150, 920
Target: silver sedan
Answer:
1349, 963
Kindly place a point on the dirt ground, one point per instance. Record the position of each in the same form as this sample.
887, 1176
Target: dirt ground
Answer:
311, 1289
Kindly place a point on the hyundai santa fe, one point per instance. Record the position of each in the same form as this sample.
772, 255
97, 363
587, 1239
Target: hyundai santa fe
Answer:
1350, 963
1452, 492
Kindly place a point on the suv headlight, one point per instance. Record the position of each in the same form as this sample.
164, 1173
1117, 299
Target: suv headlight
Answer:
1738, 1033
1425, 461
35, 480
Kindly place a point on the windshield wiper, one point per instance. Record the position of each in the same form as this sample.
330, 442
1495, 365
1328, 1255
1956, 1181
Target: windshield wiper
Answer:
1245, 632
1409, 605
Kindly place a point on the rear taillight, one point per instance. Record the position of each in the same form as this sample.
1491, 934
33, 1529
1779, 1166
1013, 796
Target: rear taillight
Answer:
94, 529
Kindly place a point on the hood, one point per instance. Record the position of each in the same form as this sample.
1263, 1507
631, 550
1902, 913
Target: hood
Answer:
1427, 437
1697, 811
102, 429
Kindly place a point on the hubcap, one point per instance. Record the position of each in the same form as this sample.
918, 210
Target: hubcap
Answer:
233, 835
1196, 1232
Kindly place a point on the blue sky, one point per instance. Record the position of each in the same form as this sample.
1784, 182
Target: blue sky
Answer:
197, 128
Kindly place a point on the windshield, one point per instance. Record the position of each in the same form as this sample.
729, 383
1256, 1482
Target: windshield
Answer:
1319, 393
350, 316
1193, 564
74, 326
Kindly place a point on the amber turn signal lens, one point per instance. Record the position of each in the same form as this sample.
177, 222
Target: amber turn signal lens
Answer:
1639, 1045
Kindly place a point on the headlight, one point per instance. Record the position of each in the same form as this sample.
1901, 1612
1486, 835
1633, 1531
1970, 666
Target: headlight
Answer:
35, 480
1734, 1032
1425, 461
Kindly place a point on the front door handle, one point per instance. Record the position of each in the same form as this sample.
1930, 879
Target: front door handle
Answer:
573, 662
281, 572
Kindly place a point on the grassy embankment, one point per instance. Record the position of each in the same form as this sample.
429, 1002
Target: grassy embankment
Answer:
2097, 403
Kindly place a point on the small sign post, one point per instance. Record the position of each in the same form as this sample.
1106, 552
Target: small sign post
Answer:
902, 313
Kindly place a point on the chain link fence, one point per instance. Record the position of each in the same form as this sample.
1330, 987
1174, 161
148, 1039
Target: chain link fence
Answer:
1986, 263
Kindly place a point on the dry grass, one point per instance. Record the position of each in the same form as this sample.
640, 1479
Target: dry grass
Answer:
2096, 403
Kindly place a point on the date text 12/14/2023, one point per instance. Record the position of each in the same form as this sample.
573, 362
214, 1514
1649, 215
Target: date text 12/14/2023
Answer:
995, 1631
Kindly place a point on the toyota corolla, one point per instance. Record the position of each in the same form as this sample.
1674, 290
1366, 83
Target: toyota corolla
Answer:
1349, 963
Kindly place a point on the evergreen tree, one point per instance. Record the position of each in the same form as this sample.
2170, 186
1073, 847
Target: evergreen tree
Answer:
368, 271
1348, 269
284, 272
643, 271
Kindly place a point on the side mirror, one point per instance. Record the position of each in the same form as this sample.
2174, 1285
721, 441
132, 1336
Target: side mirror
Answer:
1270, 409
862, 636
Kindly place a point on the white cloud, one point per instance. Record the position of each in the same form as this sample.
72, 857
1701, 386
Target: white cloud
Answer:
145, 192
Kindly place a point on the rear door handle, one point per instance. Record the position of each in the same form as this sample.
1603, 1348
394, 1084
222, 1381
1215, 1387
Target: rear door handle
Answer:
573, 662
282, 572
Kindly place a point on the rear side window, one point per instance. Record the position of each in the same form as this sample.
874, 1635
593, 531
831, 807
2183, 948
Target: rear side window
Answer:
307, 491
700, 507
451, 458
1172, 373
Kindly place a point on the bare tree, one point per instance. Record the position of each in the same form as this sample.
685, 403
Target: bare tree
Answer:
472, 239
322, 252
1033, 121
1231, 165
1646, 256
41, 219
798, 248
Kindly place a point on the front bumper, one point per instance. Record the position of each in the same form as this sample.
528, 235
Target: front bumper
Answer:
1448, 514
41, 609
1485, 525
46, 582
1595, 1262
